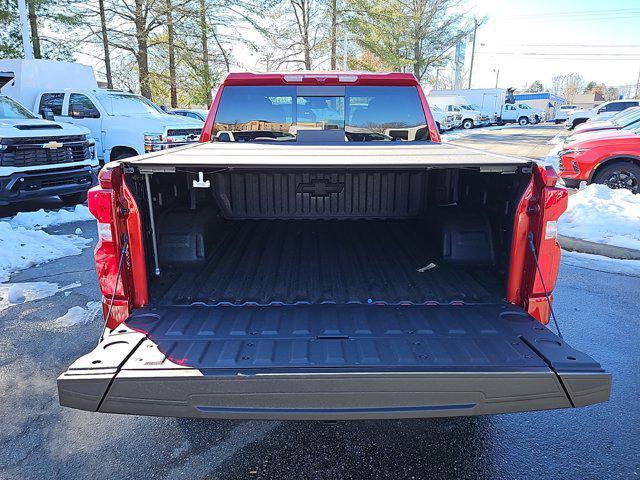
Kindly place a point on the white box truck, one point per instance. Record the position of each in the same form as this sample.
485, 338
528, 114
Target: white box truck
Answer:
491, 102
123, 124
470, 115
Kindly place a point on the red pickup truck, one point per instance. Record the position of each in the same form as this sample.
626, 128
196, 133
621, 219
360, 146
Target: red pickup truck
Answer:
322, 255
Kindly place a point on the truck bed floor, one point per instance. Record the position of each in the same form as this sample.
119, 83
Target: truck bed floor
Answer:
325, 261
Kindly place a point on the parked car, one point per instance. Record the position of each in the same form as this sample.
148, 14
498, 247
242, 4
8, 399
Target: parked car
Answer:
196, 113
627, 118
563, 111
327, 258
514, 113
601, 112
39, 158
123, 124
611, 158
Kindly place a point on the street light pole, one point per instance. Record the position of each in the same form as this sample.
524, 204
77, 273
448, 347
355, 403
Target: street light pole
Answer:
497, 75
26, 36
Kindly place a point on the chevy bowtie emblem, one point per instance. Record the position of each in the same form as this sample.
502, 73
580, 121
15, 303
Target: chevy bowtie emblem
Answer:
53, 145
320, 188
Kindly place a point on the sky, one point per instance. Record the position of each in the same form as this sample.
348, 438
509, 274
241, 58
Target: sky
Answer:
529, 40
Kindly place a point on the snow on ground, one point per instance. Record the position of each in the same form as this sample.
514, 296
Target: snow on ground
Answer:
79, 315
43, 219
600, 214
455, 134
18, 293
602, 264
23, 243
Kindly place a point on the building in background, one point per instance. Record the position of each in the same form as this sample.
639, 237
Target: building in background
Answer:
588, 100
545, 101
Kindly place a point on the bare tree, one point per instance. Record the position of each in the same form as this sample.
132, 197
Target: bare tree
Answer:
173, 85
333, 39
105, 43
33, 24
135, 23
568, 85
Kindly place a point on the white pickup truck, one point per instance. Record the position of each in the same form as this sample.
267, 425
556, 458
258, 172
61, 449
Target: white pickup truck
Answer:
466, 116
123, 124
39, 158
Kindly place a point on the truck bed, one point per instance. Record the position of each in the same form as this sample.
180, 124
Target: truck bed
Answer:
328, 261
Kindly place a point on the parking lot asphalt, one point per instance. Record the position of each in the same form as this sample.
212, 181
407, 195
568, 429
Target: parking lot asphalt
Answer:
598, 313
530, 141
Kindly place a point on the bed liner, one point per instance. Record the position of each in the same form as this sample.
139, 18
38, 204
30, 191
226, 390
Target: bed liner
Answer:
332, 362
353, 261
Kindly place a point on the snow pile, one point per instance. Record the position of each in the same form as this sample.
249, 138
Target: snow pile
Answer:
23, 243
603, 215
17, 293
43, 219
79, 315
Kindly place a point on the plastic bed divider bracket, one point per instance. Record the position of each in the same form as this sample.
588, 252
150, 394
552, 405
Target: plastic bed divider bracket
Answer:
201, 182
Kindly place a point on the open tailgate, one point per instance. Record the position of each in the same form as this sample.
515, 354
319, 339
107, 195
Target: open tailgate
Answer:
332, 362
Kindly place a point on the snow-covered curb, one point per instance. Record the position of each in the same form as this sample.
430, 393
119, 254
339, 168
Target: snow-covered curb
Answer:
602, 264
599, 214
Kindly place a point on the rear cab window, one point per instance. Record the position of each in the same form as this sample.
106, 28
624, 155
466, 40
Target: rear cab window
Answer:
290, 113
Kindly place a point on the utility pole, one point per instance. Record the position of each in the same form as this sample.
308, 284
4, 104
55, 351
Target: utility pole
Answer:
497, 75
638, 85
473, 49
24, 24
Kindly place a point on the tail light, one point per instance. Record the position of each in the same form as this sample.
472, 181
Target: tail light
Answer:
101, 205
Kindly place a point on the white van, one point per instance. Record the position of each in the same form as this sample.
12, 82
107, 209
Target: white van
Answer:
123, 124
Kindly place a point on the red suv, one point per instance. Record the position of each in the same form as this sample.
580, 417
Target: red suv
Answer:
611, 158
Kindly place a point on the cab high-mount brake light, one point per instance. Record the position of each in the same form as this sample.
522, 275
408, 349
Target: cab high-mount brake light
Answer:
321, 78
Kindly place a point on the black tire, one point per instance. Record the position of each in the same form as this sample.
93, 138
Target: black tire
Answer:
73, 198
536, 120
619, 175
467, 124
522, 121
440, 130
558, 122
